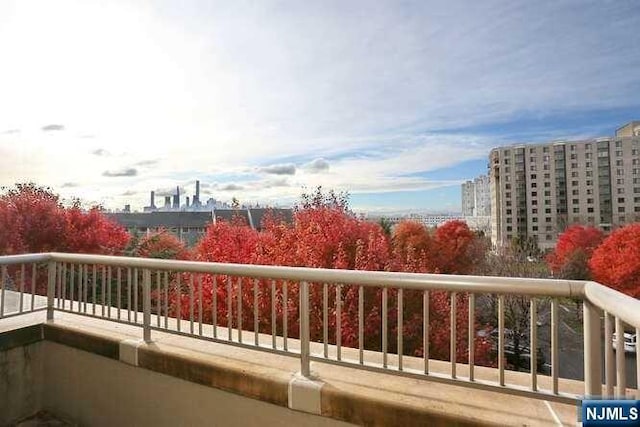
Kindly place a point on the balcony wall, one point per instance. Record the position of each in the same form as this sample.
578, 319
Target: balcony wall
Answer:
83, 370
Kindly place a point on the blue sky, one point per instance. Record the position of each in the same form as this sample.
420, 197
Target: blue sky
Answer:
395, 102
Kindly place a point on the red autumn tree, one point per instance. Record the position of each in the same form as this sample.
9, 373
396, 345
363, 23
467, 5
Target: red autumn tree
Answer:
93, 233
616, 262
458, 249
570, 258
413, 248
160, 244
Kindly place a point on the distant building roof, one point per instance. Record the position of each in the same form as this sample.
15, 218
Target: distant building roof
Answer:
162, 219
200, 219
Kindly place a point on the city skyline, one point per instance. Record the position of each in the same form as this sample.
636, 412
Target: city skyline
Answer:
398, 104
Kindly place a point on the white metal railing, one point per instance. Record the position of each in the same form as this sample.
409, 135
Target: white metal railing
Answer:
152, 293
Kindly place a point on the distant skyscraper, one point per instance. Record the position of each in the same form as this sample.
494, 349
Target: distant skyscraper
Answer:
476, 197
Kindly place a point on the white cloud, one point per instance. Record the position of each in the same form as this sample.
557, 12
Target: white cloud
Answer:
205, 90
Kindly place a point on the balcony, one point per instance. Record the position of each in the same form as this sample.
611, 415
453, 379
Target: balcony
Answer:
100, 340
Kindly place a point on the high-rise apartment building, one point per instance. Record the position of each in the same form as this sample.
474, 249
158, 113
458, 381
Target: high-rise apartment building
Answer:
538, 190
476, 197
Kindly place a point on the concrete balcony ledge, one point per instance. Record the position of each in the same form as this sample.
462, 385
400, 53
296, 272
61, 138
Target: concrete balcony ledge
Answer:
97, 372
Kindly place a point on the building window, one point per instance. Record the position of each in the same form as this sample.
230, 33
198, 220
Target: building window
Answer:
575, 201
545, 167
574, 183
508, 211
534, 202
534, 194
621, 190
590, 201
589, 190
574, 174
618, 162
507, 194
509, 220
620, 181
532, 167
534, 176
574, 192
576, 210
545, 149
621, 209
589, 164
621, 219
547, 193
534, 219
534, 228
534, 185
620, 199
547, 219
589, 182
507, 169
547, 210
587, 155
636, 209
573, 148
547, 175
587, 147
634, 152
507, 186
534, 211
634, 161
509, 228
636, 190
508, 202
618, 144
618, 153
590, 210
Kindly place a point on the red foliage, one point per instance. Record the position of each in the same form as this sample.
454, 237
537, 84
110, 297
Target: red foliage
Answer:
573, 250
33, 220
161, 244
616, 262
457, 248
91, 232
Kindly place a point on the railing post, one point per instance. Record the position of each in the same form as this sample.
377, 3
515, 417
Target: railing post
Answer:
51, 283
305, 352
592, 350
146, 305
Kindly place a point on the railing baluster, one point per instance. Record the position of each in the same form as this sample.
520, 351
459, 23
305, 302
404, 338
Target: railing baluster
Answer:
592, 336
129, 294
80, 286
86, 287
285, 320
3, 273
214, 308
20, 308
255, 312
501, 339
178, 301
109, 277
229, 311
339, 322
51, 288
165, 279
104, 288
533, 333
425, 330
453, 338
361, 324
59, 286
384, 327
325, 319
146, 305
64, 287
72, 285
621, 379
33, 285
119, 290
472, 334
273, 314
400, 327
200, 304
93, 290
136, 289
305, 351
191, 304
239, 309
555, 364
158, 297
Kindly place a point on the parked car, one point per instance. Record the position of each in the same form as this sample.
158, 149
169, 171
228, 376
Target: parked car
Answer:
630, 342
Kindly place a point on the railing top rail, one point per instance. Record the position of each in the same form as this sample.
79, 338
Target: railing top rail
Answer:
24, 258
612, 301
457, 283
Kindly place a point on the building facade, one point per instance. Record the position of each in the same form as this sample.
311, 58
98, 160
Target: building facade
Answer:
538, 190
476, 197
